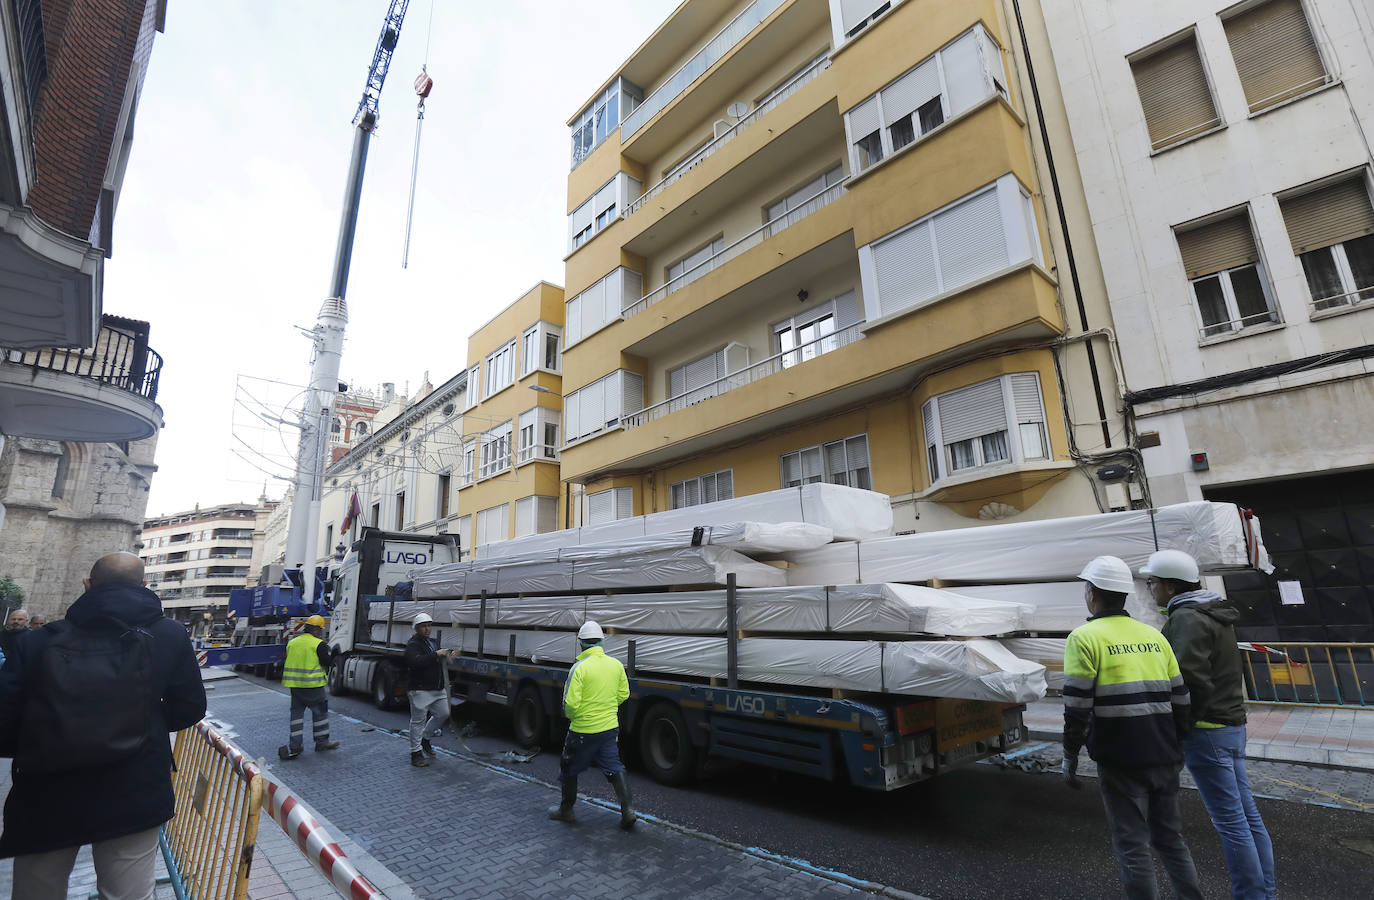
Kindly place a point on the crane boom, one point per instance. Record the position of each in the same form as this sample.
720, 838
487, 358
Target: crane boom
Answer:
328, 333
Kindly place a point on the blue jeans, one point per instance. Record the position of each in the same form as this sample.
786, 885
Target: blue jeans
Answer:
1216, 759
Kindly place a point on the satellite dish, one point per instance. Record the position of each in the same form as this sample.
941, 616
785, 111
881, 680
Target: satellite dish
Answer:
737, 109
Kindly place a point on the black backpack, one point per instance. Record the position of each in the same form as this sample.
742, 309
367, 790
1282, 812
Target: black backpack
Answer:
89, 699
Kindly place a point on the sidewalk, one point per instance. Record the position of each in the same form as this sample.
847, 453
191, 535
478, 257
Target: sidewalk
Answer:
1341, 738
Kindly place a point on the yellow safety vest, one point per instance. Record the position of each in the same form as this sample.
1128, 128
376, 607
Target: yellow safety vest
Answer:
596, 687
303, 669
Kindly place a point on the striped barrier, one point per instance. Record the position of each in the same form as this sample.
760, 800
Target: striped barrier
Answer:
315, 842
209, 842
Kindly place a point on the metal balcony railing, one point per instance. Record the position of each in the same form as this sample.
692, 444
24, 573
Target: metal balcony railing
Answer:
748, 375
120, 358
816, 201
1323, 674
738, 29
765, 106
1343, 301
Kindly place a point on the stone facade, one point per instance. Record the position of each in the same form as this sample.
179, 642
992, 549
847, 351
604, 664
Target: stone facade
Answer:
66, 505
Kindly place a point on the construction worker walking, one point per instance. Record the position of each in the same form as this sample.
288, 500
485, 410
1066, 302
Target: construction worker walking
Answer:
429, 708
1126, 700
596, 687
307, 661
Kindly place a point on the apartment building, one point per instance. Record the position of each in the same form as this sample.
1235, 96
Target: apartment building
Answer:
1225, 148
816, 240
193, 559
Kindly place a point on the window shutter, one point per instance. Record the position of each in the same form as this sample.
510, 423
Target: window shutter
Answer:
1221, 245
582, 216
1329, 215
863, 119
1174, 93
631, 288
928, 423
600, 507
964, 78
1025, 392
593, 407
593, 307
677, 381
813, 465
725, 484
846, 310
1275, 54
631, 393
969, 240
524, 516
572, 320
791, 473
545, 514
835, 467
624, 503
701, 372
852, 12
604, 198
905, 268
692, 491
856, 453
972, 411
906, 94
992, 58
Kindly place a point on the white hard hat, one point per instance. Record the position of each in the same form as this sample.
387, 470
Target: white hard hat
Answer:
590, 631
1109, 574
1171, 564
422, 619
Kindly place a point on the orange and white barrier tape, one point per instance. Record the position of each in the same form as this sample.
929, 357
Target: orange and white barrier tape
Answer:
315, 842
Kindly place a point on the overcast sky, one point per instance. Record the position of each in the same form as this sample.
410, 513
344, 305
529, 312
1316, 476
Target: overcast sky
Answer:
225, 232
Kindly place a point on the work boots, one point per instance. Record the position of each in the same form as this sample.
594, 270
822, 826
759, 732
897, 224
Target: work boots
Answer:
321, 746
418, 759
621, 783
427, 747
564, 811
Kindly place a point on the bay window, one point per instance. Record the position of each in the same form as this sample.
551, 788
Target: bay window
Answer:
538, 434
1001, 420
602, 404
500, 370
600, 305
494, 450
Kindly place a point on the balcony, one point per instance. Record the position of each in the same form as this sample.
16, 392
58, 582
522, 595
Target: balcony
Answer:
107, 392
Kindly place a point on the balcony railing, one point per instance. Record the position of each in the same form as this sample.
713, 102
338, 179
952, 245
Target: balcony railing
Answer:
765, 106
119, 358
695, 67
748, 375
816, 201
1343, 301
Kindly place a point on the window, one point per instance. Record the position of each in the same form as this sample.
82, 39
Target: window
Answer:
328, 540
443, 495
1228, 281
474, 392
816, 331
793, 207
962, 74
601, 117
703, 489
599, 305
602, 404
837, 462
952, 247
602, 209
609, 506
467, 466
856, 15
1275, 54
1332, 232
538, 434
539, 348
376, 517
360, 428
695, 264
700, 379
536, 515
494, 451
336, 426
500, 370
1174, 93
997, 421
493, 524
464, 531
401, 511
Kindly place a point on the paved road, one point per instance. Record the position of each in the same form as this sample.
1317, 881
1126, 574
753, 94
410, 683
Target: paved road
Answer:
984, 831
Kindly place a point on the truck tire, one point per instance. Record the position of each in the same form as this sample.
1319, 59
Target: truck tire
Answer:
665, 746
529, 720
336, 676
384, 687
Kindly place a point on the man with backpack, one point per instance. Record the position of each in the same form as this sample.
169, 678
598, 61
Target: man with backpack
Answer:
88, 703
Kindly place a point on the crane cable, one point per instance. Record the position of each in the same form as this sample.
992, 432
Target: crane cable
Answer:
423, 85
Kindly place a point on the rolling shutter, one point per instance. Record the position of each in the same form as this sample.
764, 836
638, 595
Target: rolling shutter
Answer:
1275, 54
907, 93
524, 516
1025, 392
600, 507
1174, 93
972, 412
1221, 245
863, 119
852, 12
969, 240
593, 407
964, 78
631, 393
624, 503
905, 269
1330, 215
846, 310
631, 288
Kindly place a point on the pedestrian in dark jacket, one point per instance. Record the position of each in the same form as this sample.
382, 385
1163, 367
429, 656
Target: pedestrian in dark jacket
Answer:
116, 808
429, 708
1201, 629
16, 623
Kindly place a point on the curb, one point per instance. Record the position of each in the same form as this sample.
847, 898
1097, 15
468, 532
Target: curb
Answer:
1274, 751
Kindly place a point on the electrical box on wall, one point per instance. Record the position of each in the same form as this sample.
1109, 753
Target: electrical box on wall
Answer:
1116, 496
1199, 458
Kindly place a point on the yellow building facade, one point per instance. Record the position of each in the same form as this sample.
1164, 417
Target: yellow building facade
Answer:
838, 241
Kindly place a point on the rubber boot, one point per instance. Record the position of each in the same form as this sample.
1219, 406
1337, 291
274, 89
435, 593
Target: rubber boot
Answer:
564, 811
621, 783
419, 760
427, 748
286, 753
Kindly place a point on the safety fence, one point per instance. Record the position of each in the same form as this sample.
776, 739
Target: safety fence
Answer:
1313, 674
210, 843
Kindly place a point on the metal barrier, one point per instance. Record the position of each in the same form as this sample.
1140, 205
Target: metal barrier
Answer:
210, 840
323, 853
1310, 674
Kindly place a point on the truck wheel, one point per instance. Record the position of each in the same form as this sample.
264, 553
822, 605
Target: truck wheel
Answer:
528, 718
336, 677
665, 747
384, 688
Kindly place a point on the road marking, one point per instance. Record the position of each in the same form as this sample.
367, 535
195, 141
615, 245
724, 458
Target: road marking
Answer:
1302, 787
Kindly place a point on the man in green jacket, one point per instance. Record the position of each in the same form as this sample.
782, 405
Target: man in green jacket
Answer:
596, 687
1201, 630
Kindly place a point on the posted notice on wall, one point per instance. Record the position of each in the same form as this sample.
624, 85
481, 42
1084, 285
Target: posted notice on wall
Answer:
1290, 593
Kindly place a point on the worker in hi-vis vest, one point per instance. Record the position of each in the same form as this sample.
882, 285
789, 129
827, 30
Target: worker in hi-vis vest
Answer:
596, 687
307, 661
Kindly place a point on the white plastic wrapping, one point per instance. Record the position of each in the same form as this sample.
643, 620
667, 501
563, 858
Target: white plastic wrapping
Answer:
1060, 605
850, 513
1047, 652
1044, 550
